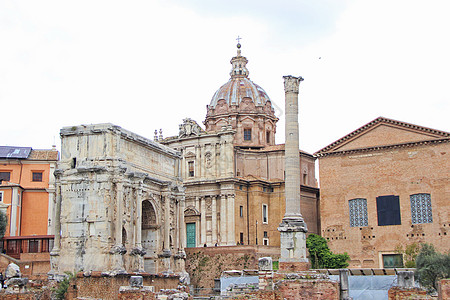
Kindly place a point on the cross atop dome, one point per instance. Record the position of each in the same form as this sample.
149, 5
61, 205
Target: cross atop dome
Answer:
239, 63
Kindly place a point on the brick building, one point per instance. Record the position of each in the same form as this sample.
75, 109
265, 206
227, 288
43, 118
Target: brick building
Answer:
27, 194
383, 185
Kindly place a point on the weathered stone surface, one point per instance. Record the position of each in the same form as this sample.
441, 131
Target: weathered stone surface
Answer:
265, 264
136, 281
120, 202
12, 270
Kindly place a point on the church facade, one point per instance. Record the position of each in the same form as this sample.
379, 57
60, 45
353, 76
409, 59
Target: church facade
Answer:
233, 171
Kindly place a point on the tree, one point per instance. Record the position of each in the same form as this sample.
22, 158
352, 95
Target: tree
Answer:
409, 254
3, 223
431, 266
322, 257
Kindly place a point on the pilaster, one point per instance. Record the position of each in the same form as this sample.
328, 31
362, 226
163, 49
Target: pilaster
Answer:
223, 220
214, 219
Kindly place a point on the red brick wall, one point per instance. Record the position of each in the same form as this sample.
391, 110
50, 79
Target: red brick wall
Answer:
302, 289
108, 287
398, 293
444, 289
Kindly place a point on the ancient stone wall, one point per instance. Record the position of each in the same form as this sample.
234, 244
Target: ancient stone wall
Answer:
204, 264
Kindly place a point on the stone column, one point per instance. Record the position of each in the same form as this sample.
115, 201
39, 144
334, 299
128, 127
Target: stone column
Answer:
167, 225
223, 220
203, 220
118, 250
54, 254
214, 219
140, 252
198, 164
182, 226
202, 163
292, 228
230, 223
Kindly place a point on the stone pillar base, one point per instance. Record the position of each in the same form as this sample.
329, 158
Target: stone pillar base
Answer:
293, 267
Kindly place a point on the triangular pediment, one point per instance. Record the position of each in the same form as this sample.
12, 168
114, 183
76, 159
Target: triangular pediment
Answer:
383, 132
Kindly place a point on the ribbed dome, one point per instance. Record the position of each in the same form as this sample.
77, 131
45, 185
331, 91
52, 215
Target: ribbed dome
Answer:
239, 86
236, 89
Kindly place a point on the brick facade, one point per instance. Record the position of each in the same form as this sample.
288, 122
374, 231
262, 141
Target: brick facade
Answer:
384, 157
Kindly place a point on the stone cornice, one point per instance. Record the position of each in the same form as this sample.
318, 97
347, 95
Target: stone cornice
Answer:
384, 147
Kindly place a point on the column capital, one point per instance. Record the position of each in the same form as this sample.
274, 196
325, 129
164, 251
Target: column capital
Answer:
291, 83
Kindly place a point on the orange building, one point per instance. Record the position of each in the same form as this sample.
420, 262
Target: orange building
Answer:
27, 191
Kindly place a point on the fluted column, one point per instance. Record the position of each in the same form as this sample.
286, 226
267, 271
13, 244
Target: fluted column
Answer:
167, 224
203, 220
182, 225
214, 219
223, 220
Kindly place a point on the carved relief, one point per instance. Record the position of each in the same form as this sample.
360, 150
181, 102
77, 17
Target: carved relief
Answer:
191, 211
221, 106
208, 159
189, 128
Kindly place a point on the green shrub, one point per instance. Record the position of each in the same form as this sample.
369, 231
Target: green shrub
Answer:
432, 266
63, 286
321, 256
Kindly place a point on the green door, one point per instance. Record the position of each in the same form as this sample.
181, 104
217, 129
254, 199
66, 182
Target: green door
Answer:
190, 235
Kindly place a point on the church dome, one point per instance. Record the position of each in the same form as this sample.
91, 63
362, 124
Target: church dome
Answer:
239, 86
242, 105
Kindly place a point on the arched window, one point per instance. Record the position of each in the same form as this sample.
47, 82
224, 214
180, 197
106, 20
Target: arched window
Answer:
124, 236
148, 215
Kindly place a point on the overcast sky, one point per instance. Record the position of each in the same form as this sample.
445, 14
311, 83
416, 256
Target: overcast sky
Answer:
145, 65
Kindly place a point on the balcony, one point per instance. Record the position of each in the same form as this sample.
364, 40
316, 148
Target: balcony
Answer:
15, 246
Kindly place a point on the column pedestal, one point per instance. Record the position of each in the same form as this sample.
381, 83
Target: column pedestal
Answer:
293, 256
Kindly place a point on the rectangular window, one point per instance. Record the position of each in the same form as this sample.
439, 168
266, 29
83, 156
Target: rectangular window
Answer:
421, 209
241, 211
37, 176
264, 214
191, 169
265, 234
247, 134
358, 212
388, 210
241, 238
5, 176
268, 137
266, 239
392, 261
271, 190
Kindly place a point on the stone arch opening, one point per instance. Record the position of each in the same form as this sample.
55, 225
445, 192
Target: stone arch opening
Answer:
149, 235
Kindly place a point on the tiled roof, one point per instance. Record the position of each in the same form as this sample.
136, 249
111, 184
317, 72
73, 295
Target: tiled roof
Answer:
44, 155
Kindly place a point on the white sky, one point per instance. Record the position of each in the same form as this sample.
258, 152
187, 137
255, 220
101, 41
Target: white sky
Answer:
145, 65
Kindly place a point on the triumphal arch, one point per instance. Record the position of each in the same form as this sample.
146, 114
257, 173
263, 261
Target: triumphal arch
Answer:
119, 205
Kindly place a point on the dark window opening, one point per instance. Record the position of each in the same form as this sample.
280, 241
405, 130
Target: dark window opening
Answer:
191, 169
5, 176
37, 176
247, 134
241, 211
388, 210
241, 238
74, 163
265, 234
268, 137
